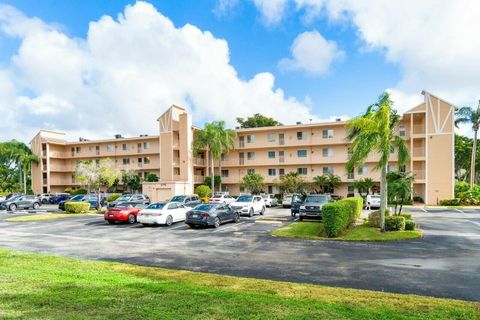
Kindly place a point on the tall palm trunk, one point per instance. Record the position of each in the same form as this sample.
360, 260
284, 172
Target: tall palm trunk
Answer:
25, 180
383, 197
212, 173
220, 173
474, 153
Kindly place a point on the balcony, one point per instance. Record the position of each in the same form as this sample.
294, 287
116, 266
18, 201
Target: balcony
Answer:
198, 178
199, 161
418, 129
58, 154
418, 152
176, 161
419, 174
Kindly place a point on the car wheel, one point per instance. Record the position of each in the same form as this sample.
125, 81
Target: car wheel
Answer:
111, 221
12, 207
217, 222
250, 214
236, 218
169, 221
262, 211
44, 201
36, 206
132, 219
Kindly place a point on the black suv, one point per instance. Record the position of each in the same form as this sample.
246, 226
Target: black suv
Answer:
312, 206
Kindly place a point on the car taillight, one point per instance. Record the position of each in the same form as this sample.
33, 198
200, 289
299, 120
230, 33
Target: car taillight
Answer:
205, 215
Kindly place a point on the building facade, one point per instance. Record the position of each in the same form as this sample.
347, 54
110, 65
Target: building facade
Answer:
309, 149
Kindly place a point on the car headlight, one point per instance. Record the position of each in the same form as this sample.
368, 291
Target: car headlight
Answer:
302, 207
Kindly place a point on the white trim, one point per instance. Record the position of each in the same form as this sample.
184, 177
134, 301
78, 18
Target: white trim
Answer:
427, 96
446, 119
439, 134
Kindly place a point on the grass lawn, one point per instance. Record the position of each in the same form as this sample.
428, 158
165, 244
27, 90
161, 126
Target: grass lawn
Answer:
34, 286
39, 217
315, 231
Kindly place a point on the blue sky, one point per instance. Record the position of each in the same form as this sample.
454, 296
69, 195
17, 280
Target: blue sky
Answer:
370, 59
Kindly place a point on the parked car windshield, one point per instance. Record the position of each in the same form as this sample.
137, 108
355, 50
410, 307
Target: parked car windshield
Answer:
14, 198
244, 199
205, 207
156, 206
124, 198
77, 197
375, 197
316, 198
178, 199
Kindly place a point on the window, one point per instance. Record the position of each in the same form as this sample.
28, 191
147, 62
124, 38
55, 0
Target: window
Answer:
281, 172
250, 155
327, 133
392, 149
351, 175
362, 170
250, 138
391, 168
90, 148
224, 173
146, 160
146, 145
126, 160
402, 132
301, 153
300, 135
272, 172
109, 147
250, 171
302, 171
271, 154
97, 150
78, 149
327, 170
140, 160
224, 157
271, 189
176, 171
327, 152
124, 146
351, 189
271, 137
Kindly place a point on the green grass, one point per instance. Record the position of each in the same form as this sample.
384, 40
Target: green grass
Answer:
40, 217
315, 231
34, 286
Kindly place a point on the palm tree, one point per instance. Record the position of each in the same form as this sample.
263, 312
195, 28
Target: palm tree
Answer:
400, 186
25, 164
333, 182
320, 183
467, 115
227, 139
375, 132
210, 137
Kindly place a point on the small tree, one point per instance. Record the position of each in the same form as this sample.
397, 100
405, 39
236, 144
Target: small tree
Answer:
95, 175
131, 181
257, 120
203, 191
217, 180
292, 182
151, 177
399, 188
364, 186
253, 182
320, 183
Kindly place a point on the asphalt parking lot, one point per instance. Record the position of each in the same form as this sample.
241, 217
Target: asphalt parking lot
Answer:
445, 263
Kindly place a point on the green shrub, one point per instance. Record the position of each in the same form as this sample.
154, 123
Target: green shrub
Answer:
451, 202
77, 207
418, 199
74, 192
410, 225
203, 191
113, 197
406, 215
68, 190
374, 218
338, 216
394, 223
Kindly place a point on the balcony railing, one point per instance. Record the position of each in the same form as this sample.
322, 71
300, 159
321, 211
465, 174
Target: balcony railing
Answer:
418, 129
419, 174
199, 161
418, 152
198, 178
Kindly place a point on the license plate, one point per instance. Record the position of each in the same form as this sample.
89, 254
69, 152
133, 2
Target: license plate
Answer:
194, 215
110, 215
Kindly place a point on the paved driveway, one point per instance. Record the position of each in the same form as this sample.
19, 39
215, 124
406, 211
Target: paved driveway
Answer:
446, 263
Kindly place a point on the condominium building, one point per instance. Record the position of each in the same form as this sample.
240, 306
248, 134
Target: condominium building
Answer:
309, 149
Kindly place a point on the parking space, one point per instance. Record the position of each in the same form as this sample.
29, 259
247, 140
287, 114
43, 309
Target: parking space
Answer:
444, 263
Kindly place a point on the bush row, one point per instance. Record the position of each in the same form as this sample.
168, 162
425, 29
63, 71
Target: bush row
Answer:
451, 202
338, 216
77, 207
392, 223
113, 197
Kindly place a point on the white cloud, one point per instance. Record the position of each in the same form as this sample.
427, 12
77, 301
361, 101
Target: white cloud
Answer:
124, 74
224, 6
272, 11
312, 54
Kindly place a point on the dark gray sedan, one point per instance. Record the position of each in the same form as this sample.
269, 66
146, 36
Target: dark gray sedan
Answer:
21, 202
211, 214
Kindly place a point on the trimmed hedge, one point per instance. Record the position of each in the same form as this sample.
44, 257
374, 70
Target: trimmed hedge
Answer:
338, 216
77, 207
395, 223
406, 215
410, 225
374, 218
451, 202
113, 197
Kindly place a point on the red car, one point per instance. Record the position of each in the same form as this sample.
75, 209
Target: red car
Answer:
124, 212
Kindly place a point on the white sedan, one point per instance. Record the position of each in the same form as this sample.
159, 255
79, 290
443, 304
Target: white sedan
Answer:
221, 198
162, 213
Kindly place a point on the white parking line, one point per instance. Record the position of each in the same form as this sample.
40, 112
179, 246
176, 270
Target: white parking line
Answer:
231, 226
458, 210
